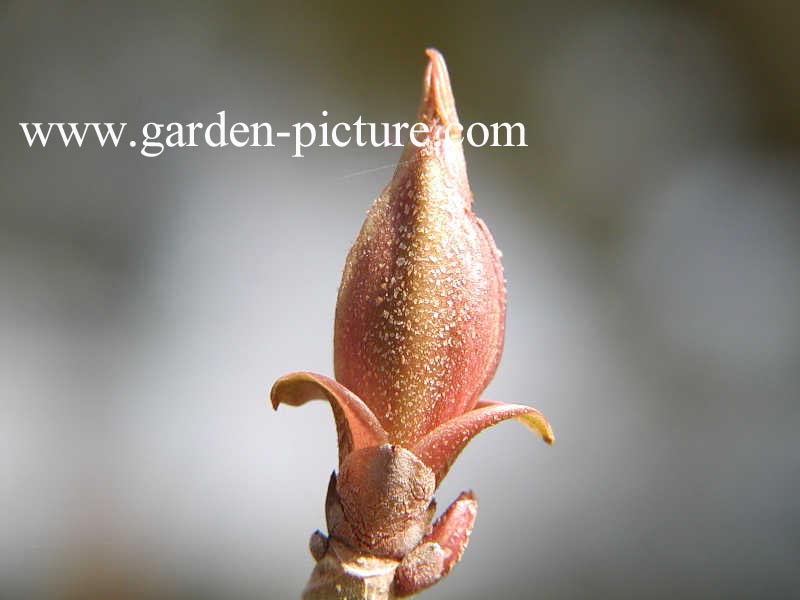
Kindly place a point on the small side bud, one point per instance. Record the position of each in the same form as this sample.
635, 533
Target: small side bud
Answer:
440, 550
420, 569
318, 545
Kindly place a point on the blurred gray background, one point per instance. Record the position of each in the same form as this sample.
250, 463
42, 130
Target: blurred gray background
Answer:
651, 239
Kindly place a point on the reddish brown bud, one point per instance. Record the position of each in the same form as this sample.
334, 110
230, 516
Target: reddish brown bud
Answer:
421, 307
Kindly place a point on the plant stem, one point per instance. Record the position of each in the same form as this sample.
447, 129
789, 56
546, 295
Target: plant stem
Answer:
343, 575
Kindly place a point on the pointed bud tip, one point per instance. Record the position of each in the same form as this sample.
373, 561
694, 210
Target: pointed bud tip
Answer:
438, 104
